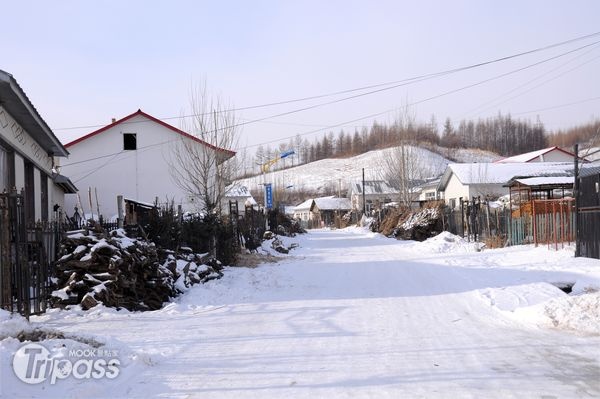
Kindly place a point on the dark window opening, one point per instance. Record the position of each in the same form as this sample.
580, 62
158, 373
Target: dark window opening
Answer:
44, 196
129, 141
29, 193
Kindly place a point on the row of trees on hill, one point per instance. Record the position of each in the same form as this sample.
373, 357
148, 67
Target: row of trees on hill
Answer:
501, 134
587, 134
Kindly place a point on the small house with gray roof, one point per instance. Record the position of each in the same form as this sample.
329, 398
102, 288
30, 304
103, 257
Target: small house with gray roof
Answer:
377, 193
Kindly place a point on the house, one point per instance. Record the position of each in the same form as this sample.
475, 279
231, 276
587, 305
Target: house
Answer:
240, 195
28, 149
320, 212
551, 154
488, 180
131, 157
376, 194
426, 191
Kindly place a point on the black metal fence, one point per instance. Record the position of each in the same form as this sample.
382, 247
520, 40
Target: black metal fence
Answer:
588, 216
27, 253
477, 220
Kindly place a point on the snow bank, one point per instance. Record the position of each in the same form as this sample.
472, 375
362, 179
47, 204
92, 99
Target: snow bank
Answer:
447, 242
580, 313
12, 324
544, 305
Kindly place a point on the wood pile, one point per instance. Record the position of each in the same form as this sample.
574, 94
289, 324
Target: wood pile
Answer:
119, 271
407, 224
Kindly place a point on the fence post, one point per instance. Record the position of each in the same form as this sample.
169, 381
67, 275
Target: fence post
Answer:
120, 212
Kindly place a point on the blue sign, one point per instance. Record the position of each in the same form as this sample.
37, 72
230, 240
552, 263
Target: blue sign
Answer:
287, 153
268, 196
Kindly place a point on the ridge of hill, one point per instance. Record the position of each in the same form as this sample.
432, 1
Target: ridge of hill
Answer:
333, 175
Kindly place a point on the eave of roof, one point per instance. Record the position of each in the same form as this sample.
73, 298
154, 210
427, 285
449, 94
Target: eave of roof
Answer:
228, 153
65, 183
18, 105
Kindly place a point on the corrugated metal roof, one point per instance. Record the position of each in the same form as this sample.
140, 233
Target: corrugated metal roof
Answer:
589, 169
502, 173
373, 187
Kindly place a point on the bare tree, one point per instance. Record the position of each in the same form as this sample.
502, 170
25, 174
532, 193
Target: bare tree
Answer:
202, 165
403, 166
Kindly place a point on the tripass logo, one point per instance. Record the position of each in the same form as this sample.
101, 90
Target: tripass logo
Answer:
33, 364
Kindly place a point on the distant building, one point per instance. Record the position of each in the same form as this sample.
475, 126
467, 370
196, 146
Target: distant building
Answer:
488, 180
377, 194
241, 196
427, 191
551, 154
131, 157
28, 148
321, 212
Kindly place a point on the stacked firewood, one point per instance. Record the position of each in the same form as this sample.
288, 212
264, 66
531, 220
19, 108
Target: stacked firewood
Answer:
119, 271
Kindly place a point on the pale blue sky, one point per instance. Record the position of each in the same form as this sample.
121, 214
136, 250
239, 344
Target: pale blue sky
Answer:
83, 62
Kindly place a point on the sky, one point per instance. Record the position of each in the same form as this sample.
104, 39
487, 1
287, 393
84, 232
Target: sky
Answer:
82, 63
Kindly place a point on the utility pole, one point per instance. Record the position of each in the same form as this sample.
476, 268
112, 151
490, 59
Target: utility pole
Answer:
363, 192
576, 195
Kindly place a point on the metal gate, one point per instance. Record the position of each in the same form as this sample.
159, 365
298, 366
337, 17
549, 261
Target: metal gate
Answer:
24, 259
588, 215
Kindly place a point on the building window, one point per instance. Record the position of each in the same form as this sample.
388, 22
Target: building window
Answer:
129, 141
44, 196
29, 193
452, 203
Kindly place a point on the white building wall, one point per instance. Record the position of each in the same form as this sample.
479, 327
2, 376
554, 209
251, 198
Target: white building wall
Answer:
141, 174
19, 172
455, 190
555, 156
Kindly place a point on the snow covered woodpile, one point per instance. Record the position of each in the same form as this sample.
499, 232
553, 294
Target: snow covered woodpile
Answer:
122, 272
416, 225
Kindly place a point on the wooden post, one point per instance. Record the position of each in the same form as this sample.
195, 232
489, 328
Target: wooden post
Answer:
120, 213
534, 222
90, 201
97, 204
576, 195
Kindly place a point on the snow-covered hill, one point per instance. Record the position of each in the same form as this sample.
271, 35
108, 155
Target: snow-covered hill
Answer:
335, 174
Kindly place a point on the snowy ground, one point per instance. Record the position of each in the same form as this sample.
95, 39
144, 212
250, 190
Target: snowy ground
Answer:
353, 314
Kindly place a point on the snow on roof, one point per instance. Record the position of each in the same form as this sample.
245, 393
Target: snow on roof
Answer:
502, 173
546, 180
140, 203
325, 204
289, 210
373, 187
306, 205
332, 203
237, 190
530, 156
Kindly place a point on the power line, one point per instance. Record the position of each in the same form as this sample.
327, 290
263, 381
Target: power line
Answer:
426, 99
558, 106
371, 115
484, 106
393, 85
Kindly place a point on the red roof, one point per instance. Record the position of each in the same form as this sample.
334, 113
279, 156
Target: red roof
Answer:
153, 119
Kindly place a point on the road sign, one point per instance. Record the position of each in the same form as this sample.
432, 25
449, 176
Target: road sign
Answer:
268, 196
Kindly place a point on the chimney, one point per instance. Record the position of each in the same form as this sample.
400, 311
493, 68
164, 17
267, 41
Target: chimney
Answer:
113, 120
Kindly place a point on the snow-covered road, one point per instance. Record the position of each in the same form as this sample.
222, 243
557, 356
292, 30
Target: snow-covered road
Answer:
353, 314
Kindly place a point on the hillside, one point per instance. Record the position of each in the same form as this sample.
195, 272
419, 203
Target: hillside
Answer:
334, 174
